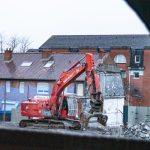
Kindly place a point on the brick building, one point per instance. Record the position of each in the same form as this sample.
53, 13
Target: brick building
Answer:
131, 53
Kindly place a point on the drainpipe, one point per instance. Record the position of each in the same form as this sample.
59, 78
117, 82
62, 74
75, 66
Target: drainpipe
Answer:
4, 114
28, 90
129, 88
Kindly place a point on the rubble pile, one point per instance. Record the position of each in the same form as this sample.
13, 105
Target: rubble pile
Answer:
137, 131
141, 130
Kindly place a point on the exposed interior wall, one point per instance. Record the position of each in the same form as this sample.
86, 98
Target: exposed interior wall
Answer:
113, 108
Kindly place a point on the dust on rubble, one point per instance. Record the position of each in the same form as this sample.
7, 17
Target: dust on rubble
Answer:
137, 131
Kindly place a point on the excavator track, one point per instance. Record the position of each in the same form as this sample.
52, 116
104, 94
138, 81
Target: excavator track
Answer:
51, 124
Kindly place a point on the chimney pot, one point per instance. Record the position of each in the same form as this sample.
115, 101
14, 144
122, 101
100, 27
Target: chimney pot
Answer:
8, 55
46, 53
101, 52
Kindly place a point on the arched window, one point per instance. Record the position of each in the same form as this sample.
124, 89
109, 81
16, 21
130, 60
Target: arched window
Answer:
120, 58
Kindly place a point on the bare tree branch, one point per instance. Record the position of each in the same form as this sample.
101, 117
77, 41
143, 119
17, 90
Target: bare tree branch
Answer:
24, 44
13, 42
2, 42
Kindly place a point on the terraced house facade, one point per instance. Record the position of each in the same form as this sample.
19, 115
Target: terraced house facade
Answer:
29, 75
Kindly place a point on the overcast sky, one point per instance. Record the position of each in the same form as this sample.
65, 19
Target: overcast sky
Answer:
39, 19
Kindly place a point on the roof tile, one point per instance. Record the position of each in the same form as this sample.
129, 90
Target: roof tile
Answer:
95, 41
37, 71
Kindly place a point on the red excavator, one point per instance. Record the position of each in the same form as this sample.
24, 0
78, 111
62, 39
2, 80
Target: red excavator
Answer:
53, 111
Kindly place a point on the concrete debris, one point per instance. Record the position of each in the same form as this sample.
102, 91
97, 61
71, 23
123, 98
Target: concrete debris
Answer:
137, 131
141, 130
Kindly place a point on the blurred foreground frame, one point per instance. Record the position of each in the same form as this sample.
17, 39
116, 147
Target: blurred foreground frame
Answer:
142, 9
36, 140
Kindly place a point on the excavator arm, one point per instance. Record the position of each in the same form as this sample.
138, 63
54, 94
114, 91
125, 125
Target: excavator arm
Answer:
66, 77
70, 75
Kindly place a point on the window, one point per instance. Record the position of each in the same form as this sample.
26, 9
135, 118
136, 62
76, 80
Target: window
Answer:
7, 86
42, 88
73, 106
26, 64
123, 74
21, 87
49, 64
70, 89
80, 89
120, 59
137, 58
136, 75
8, 105
74, 49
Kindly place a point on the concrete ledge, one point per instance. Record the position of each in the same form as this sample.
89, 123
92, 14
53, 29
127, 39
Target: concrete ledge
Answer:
34, 139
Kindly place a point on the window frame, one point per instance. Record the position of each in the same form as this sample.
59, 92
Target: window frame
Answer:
120, 59
8, 86
135, 59
49, 64
43, 88
26, 64
68, 91
80, 89
21, 87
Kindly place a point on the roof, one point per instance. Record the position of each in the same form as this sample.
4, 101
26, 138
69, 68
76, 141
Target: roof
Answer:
37, 71
33, 50
97, 41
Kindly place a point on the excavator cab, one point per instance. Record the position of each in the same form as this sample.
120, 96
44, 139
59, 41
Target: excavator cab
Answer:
63, 107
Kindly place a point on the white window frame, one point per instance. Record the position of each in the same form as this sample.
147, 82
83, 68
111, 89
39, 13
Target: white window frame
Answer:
120, 58
8, 85
8, 105
137, 59
80, 89
21, 87
26, 64
49, 64
73, 106
42, 88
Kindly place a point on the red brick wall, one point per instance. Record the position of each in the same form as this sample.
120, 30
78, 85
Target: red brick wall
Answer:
65, 50
138, 84
146, 78
125, 52
88, 50
143, 83
57, 50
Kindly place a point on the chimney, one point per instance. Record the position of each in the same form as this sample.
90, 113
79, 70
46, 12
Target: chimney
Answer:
101, 53
46, 53
8, 55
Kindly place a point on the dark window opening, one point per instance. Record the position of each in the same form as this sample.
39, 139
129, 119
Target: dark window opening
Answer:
74, 49
136, 75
